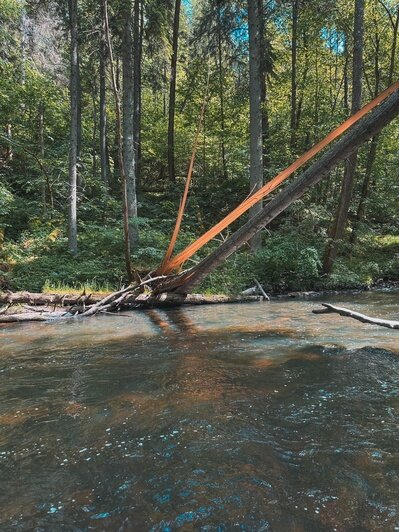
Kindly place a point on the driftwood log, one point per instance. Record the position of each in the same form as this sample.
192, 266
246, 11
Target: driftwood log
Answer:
330, 309
43, 307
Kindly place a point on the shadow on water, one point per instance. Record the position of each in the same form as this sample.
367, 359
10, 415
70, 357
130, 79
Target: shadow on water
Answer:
249, 417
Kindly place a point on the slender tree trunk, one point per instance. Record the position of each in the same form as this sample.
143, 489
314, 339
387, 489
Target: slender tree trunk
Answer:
346, 81
129, 158
263, 74
172, 93
24, 42
164, 92
137, 39
118, 112
117, 148
8, 152
365, 192
370, 126
74, 131
94, 132
341, 217
221, 99
255, 101
372, 154
294, 53
41, 152
104, 161
394, 46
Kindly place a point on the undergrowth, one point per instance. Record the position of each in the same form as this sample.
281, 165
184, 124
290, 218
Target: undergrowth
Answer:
288, 261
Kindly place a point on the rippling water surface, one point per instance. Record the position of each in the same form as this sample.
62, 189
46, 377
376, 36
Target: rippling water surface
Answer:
238, 417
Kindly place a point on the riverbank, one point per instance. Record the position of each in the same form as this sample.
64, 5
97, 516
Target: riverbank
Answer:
288, 262
29, 306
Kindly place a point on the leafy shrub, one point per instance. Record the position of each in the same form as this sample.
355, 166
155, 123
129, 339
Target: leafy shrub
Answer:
342, 277
287, 263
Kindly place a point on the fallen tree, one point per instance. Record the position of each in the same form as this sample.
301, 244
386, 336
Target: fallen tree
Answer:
364, 130
330, 309
48, 307
160, 289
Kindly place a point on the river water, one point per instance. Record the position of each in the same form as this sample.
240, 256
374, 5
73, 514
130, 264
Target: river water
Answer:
233, 417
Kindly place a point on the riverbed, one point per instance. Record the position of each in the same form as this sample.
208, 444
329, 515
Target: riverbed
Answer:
258, 416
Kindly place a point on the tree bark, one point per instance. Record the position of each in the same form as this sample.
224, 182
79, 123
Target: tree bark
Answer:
46, 310
41, 152
128, 124
371, 125
172, 93
94, 128
74, 129
341, 217
395, 27
255, 103
221, 99
264, 108
120, 158
104, 160
294, 53
372, 154
137, 57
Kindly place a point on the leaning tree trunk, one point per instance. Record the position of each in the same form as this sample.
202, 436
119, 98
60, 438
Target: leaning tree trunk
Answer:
371, 125
128, 123
341, 217
172, 93
74, 130
255, 104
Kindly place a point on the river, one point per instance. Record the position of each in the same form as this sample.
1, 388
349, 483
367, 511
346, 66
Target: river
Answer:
215, 418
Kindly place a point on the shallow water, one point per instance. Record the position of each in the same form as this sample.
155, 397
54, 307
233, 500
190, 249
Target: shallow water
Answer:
234, 417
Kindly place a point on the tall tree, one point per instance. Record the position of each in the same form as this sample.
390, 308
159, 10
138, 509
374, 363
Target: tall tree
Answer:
341, 217
104, 159
137, 60
221, 92
371, 125
266, 68
172, 92
294, 53
255, 104
119, 135
372, 154
75, 126
129, 157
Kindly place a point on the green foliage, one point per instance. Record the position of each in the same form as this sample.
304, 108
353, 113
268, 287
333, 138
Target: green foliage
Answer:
287, 263
33, 231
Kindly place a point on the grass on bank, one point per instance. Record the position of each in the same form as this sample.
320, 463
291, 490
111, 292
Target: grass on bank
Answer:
290, 260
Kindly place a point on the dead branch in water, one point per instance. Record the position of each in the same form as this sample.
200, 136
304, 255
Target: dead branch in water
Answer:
330, 309
125, 299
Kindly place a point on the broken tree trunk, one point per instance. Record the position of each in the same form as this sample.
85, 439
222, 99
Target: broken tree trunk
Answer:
43, 307
330, 309
367, 128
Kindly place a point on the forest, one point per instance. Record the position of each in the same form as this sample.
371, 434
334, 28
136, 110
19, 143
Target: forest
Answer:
159, 158
102, 102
